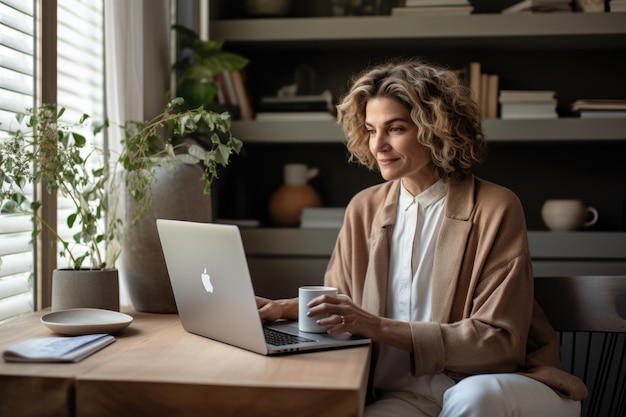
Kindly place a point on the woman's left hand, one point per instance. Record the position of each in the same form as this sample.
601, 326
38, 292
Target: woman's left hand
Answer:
343, 315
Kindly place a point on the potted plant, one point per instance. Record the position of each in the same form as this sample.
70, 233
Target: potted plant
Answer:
167, 179
197, 67
65, 163
176, 190
44, 149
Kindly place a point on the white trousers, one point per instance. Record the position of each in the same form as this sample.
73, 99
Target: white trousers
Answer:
491, 395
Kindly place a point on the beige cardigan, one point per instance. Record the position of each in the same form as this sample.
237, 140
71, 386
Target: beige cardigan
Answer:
483, 320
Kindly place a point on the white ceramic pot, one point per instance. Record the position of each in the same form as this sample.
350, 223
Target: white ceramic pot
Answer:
568, 214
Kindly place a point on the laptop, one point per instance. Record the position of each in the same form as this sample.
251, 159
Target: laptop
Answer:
214, 293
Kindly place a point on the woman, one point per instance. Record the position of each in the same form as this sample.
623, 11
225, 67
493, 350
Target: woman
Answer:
436, 261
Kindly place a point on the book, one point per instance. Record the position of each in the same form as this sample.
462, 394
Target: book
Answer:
294, 115
226, 80
483, 93
295, 107
538, 6
492, 96
430, 11
221, 93
322, 217
591, 6
526, 95
531, 115
57, 349
528, 107
598, 104
474, 80
422, 3
603, 114
304, 102
242, 96
617, 6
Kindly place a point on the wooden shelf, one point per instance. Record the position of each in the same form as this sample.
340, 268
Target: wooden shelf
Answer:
496, 130
599, 30
577, 245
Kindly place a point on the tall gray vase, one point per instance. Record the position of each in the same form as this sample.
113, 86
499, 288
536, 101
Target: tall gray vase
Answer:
177, 195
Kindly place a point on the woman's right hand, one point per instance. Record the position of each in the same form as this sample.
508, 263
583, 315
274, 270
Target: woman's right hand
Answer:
272, 310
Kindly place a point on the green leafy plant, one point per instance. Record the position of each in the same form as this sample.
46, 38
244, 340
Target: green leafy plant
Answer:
199, 62
144, 148
56, 153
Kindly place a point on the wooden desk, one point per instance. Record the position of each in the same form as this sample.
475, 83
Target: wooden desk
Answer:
156, 368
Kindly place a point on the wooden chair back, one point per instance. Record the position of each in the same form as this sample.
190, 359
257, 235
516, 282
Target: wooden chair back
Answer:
589, 313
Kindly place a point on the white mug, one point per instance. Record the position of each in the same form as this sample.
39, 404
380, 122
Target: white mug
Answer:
568, 214
306, 294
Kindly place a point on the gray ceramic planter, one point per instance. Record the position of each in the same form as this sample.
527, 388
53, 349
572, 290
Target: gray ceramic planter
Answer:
177, 195
85, 289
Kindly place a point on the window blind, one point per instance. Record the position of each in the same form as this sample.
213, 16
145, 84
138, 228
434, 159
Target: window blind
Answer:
80, 82
17, 81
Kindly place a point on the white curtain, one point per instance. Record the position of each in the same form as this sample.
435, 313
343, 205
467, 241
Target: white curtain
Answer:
124, 64
138, 59
124, 77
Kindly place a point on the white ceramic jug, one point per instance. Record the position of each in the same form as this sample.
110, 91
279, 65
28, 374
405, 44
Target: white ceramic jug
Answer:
568, 214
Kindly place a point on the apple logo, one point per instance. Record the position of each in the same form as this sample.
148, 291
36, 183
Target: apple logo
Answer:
206, 281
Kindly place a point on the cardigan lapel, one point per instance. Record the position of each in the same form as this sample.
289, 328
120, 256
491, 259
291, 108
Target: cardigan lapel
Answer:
450, 248
377, 275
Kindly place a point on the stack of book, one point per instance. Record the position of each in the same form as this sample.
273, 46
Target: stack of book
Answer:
528, 104
433, 7
598, 108
322, 217
297, 107
591, 6
231, 91
539, 6
617, 6
484, 89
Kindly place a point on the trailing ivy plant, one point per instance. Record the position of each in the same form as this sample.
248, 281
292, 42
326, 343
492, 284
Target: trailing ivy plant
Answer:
57, 155
143, 148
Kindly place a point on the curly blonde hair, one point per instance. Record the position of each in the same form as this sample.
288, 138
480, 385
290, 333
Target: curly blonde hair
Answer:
448, 119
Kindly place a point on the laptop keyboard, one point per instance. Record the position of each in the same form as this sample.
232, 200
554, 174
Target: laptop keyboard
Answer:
276, 338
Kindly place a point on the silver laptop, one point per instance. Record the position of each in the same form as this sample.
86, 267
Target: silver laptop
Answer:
214, 293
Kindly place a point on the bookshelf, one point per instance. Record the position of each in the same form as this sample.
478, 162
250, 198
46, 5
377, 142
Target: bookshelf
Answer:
538, 159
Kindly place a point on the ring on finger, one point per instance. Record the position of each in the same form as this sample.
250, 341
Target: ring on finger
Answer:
343, 320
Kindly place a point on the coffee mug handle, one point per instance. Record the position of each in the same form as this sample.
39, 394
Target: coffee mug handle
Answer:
345, 296
594, 218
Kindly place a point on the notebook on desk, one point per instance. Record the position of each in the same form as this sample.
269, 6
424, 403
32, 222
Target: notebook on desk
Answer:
214, 294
